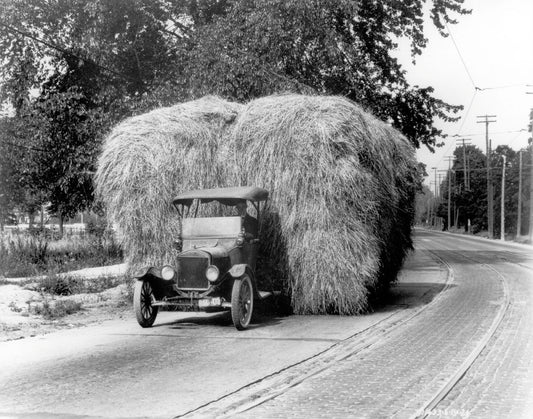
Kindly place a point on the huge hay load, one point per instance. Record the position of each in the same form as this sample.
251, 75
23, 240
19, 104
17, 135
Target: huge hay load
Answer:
146, 160
342, 188
338, 224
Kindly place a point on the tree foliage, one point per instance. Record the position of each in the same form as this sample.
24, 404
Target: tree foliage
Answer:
470, 202
325, 47
72, 68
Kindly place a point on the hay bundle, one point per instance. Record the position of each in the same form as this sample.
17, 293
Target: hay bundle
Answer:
148, 159
341, 182
342, 188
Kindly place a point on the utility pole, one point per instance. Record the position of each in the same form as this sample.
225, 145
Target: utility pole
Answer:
436, 191
449, 197
531, 173
466, 181
519, 220
502, 219
531, 196
468, 171
531, 180
435, 201
490, 204
450, 159
464, 164
465, 170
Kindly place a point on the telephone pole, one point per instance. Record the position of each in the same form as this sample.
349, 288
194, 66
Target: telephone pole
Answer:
466, 177
502, 214
519, 219
450, 159
486, 119
435, 201
531, 179
465, 170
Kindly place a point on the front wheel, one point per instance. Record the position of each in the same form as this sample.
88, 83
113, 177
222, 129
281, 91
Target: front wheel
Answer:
242, 302
142, 303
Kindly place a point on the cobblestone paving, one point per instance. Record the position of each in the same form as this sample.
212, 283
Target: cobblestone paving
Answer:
397, 377
499, 383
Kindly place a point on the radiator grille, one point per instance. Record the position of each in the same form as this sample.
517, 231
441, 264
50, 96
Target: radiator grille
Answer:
192, 273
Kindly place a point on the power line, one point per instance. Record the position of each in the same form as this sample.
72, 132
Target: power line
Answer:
467, 111
516, 136
506, 86
461, 57
492, 133
476, 88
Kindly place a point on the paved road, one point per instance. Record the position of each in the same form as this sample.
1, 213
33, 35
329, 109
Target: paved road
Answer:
397, 362
417, 370
186, 360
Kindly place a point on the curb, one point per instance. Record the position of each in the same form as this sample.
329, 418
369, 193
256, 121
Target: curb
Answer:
481, 239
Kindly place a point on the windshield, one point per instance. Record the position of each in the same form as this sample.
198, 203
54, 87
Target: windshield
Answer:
198, 209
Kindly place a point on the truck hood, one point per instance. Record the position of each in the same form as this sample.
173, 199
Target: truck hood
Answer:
216, 252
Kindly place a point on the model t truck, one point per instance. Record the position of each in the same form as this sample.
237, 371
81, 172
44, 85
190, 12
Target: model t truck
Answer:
214, 267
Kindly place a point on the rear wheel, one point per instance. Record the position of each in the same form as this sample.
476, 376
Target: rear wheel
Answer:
242, 302
143, 296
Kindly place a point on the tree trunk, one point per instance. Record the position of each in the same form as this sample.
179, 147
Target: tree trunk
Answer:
30, 219
60, 217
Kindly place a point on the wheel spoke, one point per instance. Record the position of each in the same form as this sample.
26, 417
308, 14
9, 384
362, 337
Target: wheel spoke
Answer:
242, 302
245, 300
143, 300
146, 300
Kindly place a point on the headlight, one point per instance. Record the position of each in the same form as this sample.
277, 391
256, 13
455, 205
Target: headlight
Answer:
212, 273
167, 272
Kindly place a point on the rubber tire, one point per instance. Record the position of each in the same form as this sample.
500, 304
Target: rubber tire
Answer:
142, 303
241, 312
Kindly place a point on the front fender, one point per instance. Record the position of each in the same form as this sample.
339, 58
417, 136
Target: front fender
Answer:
153, 276
147, 271
239, 270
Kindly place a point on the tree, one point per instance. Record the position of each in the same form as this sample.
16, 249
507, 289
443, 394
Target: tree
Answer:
336, 47
72, 68
512, 191
423, 205
470, 201
66, 132
16, 188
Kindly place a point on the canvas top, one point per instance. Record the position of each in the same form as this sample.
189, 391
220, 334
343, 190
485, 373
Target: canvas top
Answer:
226, 196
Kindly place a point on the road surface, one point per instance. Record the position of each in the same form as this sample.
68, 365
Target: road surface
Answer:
455, 341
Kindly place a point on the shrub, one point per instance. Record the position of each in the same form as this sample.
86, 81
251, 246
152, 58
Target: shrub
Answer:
53, 309
28, 254
59, 284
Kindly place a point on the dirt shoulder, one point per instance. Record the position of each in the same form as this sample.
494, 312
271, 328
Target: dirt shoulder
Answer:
27, 310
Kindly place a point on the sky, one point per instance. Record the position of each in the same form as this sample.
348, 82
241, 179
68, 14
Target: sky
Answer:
493, 50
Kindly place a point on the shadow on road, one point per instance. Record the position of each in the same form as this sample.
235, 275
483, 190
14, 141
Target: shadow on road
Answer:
410, 294
223, 319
